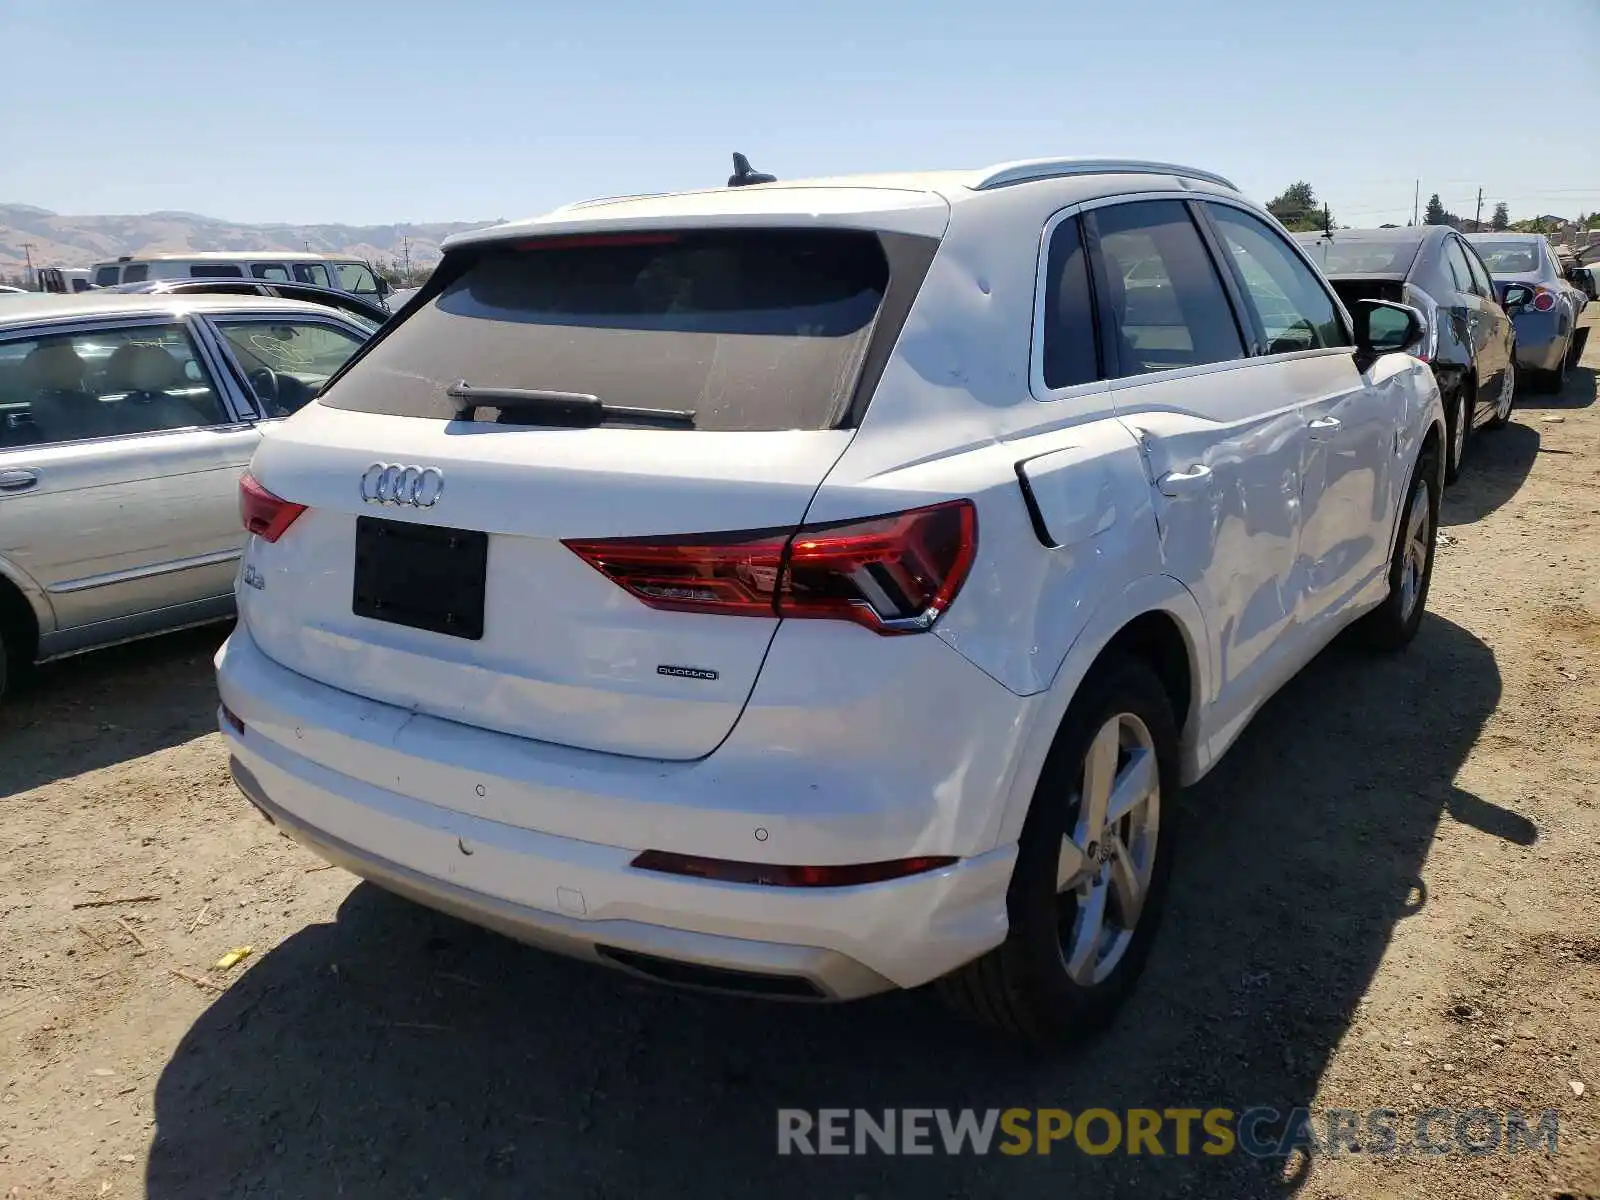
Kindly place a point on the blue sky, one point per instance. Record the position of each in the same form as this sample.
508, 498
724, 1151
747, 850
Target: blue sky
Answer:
364, 111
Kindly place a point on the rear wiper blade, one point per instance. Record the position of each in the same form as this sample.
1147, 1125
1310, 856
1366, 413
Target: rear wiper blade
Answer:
572, 410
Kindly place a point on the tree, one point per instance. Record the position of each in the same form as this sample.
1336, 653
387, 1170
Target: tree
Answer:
1298, 209
1501, 218
1434, 213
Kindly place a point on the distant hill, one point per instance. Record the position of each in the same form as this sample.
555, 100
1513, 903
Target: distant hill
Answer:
66, 241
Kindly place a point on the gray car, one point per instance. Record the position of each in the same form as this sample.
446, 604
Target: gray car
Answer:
1544, 307
125, 423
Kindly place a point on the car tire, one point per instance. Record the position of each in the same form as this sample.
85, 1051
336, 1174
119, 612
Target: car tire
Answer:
1575, 348
3, 674
1050, 982
1552, 382
1392, 625
1508, 397
1458, 429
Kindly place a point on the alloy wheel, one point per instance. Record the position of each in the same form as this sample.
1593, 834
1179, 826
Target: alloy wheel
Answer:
1508, 391
1414, 552
1107, 857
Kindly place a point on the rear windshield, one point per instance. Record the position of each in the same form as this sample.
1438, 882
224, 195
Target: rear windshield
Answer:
750, 329
1508, 257
1378, 256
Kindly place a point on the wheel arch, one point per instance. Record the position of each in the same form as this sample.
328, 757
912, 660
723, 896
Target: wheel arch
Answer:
1155, 618
25, 611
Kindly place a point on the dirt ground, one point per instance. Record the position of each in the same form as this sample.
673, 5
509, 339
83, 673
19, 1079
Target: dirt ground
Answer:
1386, 897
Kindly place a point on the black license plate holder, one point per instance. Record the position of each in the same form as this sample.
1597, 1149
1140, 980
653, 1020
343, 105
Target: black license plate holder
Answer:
422, 576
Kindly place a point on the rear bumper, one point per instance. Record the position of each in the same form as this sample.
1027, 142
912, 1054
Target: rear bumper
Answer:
1541, 339
575, 896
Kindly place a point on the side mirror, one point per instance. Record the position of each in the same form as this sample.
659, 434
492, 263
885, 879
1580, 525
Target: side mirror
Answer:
383, 286
1383, 327
1516, 295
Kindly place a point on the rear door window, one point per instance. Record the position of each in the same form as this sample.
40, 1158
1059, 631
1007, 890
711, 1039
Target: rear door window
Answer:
1162, 303
137, 273
107, 277
270, 272
751, 329
215, 271
103, 383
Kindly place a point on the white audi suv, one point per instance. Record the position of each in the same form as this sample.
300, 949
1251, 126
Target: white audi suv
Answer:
817, 588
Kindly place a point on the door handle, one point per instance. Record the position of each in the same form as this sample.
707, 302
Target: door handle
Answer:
1182, 483
1323, 427
17, 480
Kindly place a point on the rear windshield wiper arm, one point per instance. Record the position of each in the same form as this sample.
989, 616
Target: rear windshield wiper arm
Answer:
573, 410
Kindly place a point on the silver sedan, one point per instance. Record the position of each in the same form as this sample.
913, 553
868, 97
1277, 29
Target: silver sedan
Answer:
1544, 307
125, 423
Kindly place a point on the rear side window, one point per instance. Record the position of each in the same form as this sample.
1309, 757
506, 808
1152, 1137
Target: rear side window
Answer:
137, 273
1069, 342
107, 277
1455, 261
215, 271
751, 329
1480, 275
270, 271
313, 273
1167, 307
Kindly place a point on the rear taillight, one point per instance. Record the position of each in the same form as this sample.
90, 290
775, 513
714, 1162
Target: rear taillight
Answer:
1428, 349
263, 514
1543, 299
892, 574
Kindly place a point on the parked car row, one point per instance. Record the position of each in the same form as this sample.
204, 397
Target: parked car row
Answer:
345, 302
348, 283
801, 591
1498, 310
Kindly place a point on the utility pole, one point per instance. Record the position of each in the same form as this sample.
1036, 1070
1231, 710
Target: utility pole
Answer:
1477, 221
27, 253
405, 249
1416, 203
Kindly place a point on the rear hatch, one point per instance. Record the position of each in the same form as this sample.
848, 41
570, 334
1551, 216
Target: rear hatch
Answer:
548, 393
1375, 287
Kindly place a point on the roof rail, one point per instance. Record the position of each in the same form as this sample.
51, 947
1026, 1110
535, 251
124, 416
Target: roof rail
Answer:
593, 200
1028, 170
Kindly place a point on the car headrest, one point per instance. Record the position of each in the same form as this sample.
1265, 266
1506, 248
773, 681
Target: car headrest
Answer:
54, 366
136, 368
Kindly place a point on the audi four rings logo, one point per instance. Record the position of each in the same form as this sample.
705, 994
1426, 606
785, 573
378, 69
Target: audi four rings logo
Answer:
391, 483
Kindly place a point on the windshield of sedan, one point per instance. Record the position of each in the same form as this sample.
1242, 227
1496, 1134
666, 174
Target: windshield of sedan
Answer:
1508, 257
1375, 256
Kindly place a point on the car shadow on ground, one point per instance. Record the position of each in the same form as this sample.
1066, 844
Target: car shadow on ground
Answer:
395, 1052
95, 710
1580, 392
1496, 464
